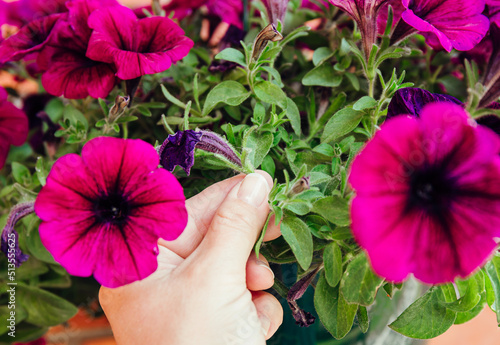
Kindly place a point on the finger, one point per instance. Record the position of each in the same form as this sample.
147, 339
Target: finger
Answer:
201, 209
273, 231
269, 311
259, 274
237, 223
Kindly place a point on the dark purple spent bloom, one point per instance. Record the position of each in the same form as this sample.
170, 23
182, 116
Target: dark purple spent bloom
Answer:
299, 288
492, 75
10, 238
302, 318
30, 39
410, 101
450, 24
178, 149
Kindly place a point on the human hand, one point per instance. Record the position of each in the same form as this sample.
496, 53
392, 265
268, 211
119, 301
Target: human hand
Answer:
208, 285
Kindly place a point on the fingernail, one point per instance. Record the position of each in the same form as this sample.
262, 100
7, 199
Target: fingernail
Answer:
266, 323
265, 265
253, 190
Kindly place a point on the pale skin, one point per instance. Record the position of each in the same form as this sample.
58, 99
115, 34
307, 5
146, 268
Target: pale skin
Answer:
208, 285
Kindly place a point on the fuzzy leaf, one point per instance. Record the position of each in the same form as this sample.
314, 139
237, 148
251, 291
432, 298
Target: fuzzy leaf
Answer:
298, 236
342, 123
228, 92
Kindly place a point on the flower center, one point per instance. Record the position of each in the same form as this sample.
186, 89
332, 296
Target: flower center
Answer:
111, 208
431, 190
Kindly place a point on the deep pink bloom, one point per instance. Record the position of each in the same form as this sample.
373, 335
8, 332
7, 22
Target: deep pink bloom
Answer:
136, 46
428, 195
229, 11
30, 39
365, 13
397, 10
449, 24
491, 80
22, 12
40, 341
13, 126
313, 6
67, 71
103, 213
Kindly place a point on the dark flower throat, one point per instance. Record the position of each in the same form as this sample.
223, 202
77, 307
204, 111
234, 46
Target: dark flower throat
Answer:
112, 208
431, 190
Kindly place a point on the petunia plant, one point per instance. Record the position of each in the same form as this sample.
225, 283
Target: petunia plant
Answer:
378, 121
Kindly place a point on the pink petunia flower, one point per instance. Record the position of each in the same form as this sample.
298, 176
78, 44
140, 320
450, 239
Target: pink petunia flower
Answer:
22, 12
103, 213
13, 126
428, 195
30, 39
449, 24
365, 13
67, 71
136, 46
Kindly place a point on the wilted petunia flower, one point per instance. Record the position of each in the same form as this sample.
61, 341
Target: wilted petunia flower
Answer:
30, 39
411, 101
428, 195
103, 213
136, 46
67, 71
9, 241
365, 13
13, 126
276, 10
449, 24
178, 149
491, 80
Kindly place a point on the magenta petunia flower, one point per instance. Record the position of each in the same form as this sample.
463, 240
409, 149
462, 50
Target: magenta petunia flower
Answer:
103, 213
30, 39
67, 71
449, 24
397, 11
178, 149
365, 13
13, 126
136, 46
22, 12
428, 195
314, 6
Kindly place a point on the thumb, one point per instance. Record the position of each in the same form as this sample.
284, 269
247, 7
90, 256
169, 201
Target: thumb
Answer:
237, 223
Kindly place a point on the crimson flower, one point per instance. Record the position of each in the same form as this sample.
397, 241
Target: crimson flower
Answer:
13, 126
67, 71
449, 24
30, 39
365, 13
428, 195
103, 213
135, 46
22, 12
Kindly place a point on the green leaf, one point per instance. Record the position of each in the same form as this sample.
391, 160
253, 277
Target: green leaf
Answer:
37, 249
259, 145
342, 123
300, 208
490, 294
75, 116
332, 257
293, 114
144, 111
365, 102
492, 269
333, 310
228, 92
20, 173
233, 55
470, 290
43, 307
269, 166
359, 284
334, 209
298, 236
55, 109
125, 119
323, 75
41, 172
321, 55
363, 320
271, 93
426, 318
172, 98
